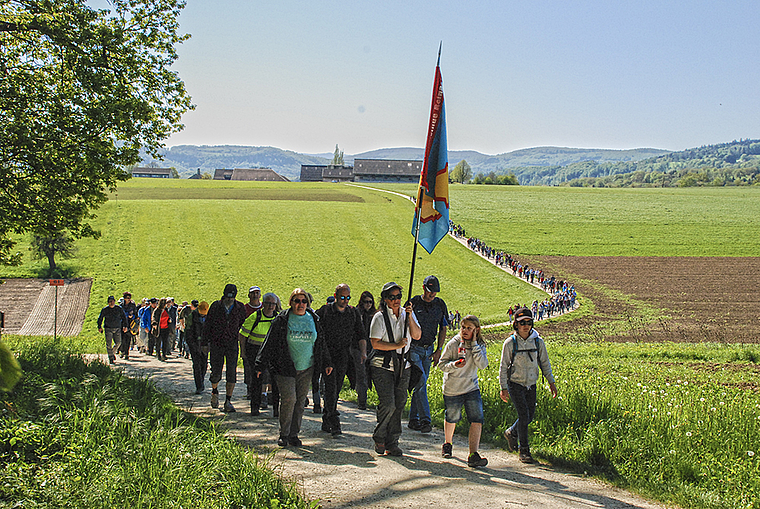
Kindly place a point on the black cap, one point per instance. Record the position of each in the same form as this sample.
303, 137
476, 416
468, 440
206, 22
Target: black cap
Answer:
111, 298
194, 303
230, 291
153, 300
523, 313
431, 284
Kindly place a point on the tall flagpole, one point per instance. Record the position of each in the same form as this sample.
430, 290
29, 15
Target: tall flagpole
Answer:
418, 211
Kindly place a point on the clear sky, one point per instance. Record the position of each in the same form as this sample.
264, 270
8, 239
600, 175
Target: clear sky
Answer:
305, 75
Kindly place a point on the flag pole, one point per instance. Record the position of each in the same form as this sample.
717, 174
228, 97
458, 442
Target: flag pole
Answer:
418, 208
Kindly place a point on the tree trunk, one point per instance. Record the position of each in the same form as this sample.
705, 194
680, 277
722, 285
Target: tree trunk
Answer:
51, 262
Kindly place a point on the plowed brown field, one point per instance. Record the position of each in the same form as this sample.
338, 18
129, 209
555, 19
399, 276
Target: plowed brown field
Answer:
701, 298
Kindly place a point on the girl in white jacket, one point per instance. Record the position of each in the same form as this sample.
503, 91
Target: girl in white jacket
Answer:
460, 361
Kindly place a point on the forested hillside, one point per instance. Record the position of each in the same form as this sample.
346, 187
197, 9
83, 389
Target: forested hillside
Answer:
734, 163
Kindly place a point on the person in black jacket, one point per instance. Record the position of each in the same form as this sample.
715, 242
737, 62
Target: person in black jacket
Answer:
115, 323
193, 333
220, 334
293, 349
342, 325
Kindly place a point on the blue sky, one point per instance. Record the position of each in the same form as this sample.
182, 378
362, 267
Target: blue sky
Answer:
304, 76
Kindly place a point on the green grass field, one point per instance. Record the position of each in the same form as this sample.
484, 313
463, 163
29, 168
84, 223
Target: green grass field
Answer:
570, 221
157, 242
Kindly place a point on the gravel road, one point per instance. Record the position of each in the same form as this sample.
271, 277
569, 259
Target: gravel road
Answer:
345, 472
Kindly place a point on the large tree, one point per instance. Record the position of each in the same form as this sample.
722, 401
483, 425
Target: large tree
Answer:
82, 90
461, 173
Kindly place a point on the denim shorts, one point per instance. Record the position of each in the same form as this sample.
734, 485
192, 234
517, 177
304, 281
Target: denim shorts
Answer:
472, 403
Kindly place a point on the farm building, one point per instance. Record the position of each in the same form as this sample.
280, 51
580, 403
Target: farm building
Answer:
249, 174
364, 170
161, 173
387, 170
312, 172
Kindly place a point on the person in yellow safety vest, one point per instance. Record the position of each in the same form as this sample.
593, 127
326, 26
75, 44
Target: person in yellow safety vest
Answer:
252, 334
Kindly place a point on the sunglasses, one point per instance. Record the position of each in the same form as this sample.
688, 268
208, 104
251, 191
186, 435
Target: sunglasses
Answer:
300, 301
395, 296
366, 301
525, 322
344, 298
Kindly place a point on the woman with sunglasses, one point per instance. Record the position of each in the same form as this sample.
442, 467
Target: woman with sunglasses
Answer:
390, 334
522, 355
294, 347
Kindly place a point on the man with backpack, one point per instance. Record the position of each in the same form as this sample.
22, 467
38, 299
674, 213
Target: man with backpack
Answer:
523, 354
252, 334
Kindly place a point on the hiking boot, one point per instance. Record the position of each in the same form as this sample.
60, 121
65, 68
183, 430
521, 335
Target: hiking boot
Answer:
282, 442
228, 407
255, 411
426, 427
295, 441
336, 432
361, 406
511, 440
446, 450
317, 408
474, 460
526, 457
414, 424
380, 448
199, 391
394, 450
326, 428
214, 399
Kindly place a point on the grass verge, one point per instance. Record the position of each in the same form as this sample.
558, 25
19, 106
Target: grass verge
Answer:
77, 434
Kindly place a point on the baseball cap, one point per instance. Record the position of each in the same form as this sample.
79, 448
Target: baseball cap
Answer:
230, 291
523, 313
153, 300
127, 294
111, 298
253, 288
194, 303
431, 284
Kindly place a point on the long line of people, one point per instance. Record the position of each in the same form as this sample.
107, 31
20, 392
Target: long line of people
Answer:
562, 294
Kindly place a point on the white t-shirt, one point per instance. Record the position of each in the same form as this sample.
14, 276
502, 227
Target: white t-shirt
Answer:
377, 330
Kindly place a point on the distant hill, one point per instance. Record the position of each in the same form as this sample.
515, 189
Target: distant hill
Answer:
733, 163
187, 159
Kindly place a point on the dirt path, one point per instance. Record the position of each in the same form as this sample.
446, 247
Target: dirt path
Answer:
345, 472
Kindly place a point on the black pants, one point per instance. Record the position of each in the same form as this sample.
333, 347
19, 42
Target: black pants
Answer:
164, 342
524, 400
391, 402
254, 382
200, 365
333, 385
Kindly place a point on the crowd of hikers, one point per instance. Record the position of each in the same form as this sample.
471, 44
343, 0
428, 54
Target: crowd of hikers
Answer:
562, 295
290, 351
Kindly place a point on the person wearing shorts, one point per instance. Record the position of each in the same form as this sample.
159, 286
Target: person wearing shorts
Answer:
460, 361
